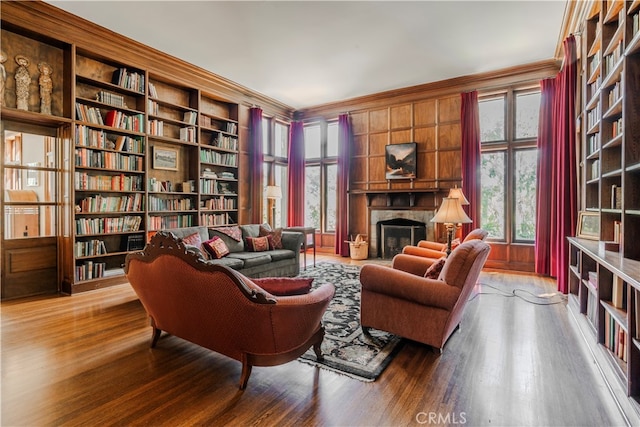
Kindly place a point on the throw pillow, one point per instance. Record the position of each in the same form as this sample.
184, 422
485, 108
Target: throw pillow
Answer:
454, 244
194, 241
274, 237
216, 247
234, 232
257, 244
265, 229
433, 272
283, 286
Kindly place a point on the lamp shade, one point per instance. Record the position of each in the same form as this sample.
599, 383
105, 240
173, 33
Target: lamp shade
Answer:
274, 192
456, 193
451, 212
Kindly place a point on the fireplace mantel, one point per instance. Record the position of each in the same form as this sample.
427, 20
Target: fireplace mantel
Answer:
391, 193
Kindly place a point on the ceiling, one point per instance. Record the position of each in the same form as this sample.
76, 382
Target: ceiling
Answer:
307, 53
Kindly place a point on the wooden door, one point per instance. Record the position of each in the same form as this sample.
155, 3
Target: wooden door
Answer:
30, 205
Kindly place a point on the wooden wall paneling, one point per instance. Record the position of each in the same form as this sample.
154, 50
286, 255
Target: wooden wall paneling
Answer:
449, 136
401, 116
425, 137
377, 170
427, 167
360, 144
379, 120
424, 113
359, 174
377, 144
360, 122
449, 109
398, 137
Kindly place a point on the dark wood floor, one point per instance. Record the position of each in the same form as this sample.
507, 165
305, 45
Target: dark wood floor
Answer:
85, 360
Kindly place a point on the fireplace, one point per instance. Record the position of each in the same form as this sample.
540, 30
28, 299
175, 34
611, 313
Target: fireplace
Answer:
394, 234
376, 215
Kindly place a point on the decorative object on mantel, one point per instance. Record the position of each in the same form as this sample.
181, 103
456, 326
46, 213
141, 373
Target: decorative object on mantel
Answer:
23, 81
46, 87
345, 348
3, 77
450, 214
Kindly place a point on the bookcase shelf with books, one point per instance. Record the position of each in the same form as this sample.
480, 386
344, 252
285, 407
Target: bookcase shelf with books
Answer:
109, 168
604, 274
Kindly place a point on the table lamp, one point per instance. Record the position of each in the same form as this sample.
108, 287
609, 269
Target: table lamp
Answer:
456, 193
450, 214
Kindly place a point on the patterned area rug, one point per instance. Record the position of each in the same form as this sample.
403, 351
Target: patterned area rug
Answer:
345, 348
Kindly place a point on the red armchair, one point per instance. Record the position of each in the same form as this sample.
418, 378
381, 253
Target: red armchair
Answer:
222, 310
400, 300
435, 250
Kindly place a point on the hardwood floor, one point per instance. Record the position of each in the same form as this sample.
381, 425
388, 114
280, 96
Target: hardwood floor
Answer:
85, 360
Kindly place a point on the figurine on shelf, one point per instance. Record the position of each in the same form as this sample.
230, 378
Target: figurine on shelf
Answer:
46, 87
3, 76
23, 81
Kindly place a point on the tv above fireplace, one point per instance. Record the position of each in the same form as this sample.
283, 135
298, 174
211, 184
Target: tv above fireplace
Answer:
401, 160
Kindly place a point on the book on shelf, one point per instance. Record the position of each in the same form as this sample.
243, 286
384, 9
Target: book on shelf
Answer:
616, 197
593, 279
135, 242
190, 117
152, 90
618, 293
617, 231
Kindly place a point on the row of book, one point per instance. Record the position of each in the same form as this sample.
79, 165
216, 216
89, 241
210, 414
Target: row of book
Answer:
226, 159
593, 116
211, 220
226, 142
616, 128
123, 224
612, 58
164, 204
220, 203
592, 309
86, 181
188, 134
614, 93
99, 203
170, 221
160, 186
615, 337
593, 142
120, 120
213, 186
129, 80
595, 169
85, 157
91, 247
113, 99
89, 270
94, 138
616, 197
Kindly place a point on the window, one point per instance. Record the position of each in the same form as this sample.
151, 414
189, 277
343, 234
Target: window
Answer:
508, 131
275, 143
321, 174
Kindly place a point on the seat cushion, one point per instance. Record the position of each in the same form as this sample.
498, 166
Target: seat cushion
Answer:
251, 259
234, 263
280, 254
283, 286
433, 272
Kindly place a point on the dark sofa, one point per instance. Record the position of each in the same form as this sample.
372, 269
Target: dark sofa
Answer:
283, 262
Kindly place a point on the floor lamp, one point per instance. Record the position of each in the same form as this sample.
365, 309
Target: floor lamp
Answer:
274, 192
450, 214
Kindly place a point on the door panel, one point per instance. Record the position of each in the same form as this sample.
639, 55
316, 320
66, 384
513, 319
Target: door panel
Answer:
30, 267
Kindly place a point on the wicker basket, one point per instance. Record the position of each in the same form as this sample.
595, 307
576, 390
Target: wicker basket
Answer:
359, 248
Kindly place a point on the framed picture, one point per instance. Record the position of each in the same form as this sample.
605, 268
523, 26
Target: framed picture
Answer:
401, 160
588, 225
165, 158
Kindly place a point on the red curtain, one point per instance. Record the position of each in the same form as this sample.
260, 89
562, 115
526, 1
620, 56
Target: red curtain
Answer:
562, 208
295, 210
342, 205
470, 123
257, 159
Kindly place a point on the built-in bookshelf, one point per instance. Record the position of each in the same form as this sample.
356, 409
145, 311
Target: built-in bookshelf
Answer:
604, 273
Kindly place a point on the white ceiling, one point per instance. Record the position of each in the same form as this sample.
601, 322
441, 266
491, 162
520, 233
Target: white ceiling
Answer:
307, 53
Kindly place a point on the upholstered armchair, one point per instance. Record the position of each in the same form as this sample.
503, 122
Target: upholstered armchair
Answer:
435, 250
218, 308
401, 300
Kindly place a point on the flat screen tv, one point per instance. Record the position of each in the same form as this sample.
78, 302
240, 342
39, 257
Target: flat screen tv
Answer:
401, 160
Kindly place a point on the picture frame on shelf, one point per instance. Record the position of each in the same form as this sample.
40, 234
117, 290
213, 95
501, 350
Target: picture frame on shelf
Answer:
588, 225
165, 158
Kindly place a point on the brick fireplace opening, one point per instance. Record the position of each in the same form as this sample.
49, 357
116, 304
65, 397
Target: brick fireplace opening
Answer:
376, 215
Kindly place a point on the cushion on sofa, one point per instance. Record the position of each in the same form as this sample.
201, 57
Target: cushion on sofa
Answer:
194, 241
234, 263
433, 272
273, 236
233, 244
283, 286
216, 247
251, 259
279, 254
257, 244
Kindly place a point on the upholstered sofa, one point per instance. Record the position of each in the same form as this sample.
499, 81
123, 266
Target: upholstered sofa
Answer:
220, 309
401, 300
284, 262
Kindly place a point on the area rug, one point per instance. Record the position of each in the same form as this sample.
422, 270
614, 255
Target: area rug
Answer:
345, 348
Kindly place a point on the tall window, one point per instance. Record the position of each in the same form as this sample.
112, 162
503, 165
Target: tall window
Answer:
275, 139
321, 173
508, 131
